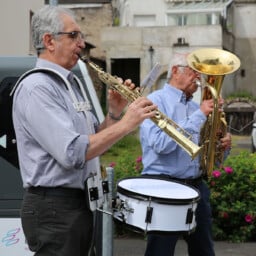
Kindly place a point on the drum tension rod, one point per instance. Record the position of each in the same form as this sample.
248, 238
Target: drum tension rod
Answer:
149, 214
190, 215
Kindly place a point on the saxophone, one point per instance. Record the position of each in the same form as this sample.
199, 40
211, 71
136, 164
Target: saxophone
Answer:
181, 137
214, 64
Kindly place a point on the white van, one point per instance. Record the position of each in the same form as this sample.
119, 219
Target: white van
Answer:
12, 241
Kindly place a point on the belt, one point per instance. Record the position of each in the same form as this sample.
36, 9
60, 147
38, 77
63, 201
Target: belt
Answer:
192, 182
57, 191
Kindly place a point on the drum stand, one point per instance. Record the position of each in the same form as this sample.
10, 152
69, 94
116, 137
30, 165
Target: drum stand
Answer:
102, 244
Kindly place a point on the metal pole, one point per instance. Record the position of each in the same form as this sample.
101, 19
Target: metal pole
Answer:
53, 2
107, 226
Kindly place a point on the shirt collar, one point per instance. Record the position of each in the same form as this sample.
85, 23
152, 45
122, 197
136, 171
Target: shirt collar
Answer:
177, 93
42, 63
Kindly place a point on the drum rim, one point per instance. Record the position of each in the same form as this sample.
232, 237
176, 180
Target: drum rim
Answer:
141, 230
160, 200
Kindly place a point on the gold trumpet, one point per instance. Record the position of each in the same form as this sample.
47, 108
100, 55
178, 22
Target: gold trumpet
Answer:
181, 137
214, 64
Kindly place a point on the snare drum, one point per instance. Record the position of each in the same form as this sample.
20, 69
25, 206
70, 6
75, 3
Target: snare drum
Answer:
156, 205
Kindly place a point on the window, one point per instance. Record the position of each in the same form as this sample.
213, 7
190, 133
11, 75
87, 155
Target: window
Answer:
144, 20
182, 19
80, 1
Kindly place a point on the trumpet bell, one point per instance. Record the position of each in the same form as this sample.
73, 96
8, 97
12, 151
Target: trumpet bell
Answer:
211, 61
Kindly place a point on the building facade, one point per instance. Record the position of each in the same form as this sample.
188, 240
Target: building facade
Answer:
130, 36
154, 33
15, 29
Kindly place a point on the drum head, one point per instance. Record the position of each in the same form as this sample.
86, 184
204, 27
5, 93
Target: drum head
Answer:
162, 191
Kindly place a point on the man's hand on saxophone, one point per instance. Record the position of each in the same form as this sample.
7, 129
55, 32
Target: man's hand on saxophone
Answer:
117, 103
139, 110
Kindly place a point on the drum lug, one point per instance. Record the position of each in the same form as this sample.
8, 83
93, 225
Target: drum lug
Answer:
149, 214
190, 215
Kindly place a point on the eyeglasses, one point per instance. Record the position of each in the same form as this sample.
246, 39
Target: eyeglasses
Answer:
75, 35
184, 66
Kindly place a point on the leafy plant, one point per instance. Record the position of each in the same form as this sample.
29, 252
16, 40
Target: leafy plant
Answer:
233, 199
124, 157
125, 167
245, 95
241, 96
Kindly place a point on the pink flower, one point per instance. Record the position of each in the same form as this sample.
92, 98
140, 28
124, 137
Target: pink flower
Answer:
248, 218
228, 169
139, 159
225, 215
138, 167
216, 173
112, 164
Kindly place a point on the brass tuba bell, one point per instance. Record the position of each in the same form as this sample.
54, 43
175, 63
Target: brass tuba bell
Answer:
214, 64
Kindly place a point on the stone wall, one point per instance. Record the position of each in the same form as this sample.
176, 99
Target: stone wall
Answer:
92, 21
135, 42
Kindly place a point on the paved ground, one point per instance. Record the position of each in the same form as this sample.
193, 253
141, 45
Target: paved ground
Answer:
136, 247
244, 142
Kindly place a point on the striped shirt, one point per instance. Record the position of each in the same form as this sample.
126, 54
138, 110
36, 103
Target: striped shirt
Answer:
52, 137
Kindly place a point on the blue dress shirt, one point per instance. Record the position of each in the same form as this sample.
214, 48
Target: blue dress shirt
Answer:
160, 153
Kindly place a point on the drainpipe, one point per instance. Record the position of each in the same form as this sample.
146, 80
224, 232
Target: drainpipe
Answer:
224, 24
224, 27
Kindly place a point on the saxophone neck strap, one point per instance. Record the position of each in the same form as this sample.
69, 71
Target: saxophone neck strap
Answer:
78, 105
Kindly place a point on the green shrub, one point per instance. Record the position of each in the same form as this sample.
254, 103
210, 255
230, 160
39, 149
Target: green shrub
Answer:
124, 157
242, 96
126, 166
233, 199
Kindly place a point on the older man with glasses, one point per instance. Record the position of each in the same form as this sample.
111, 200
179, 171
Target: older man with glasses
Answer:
58, 144
163, 158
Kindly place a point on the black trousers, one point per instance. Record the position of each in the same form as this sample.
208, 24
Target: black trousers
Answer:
199, 243
56, 225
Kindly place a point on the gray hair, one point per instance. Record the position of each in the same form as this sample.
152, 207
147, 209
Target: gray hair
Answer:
178, 59
47, 20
